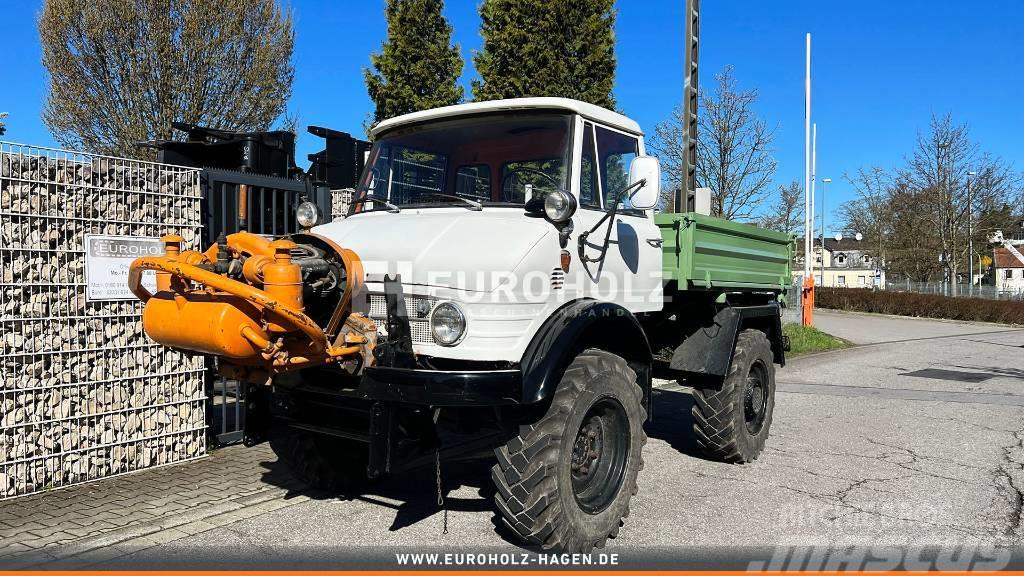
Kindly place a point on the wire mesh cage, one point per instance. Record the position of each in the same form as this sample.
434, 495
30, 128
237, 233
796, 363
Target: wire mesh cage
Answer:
341, 199
84, 394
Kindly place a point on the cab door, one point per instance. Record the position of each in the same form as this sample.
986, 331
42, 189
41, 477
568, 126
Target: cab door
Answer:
629, 270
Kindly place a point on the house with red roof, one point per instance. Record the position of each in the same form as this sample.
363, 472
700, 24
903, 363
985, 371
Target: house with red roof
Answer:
1009, 270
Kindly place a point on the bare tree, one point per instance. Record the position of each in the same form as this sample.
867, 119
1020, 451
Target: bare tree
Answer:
786, 213
3, 128
734, 154
938, 171
122, 70
912, 244
869, 213
667, 144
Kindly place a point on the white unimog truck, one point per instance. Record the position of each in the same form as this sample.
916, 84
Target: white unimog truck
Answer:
501, 286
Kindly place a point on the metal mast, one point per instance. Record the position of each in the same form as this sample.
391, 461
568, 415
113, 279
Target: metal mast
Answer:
690, 86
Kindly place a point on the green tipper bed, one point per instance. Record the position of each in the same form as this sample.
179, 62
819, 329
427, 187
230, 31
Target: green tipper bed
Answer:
705, 252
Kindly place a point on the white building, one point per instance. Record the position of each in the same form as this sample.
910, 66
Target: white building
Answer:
1009, 271
844, 263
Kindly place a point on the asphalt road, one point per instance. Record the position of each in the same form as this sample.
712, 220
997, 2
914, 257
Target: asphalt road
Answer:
865, 449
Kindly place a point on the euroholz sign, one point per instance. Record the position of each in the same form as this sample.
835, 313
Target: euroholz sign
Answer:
107, 260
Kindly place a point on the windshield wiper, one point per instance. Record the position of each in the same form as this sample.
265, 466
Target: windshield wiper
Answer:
371, 198
472, 204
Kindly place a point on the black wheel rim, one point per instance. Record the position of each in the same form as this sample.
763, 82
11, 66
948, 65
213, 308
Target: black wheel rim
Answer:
755, 397
599, 455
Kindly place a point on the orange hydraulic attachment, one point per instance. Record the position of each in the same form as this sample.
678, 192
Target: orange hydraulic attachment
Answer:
244, 325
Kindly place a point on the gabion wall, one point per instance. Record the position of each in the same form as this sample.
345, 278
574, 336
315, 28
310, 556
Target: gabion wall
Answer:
341, 199
84, 394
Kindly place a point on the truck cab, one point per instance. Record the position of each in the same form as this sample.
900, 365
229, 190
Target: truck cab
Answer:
480, 208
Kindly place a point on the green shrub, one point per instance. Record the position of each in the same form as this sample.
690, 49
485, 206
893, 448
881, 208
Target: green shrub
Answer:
920, 305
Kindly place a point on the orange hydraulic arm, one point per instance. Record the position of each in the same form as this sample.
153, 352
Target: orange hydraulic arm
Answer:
234, 320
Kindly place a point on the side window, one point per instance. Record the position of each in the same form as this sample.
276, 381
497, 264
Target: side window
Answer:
615, 153
590, 195
474, 182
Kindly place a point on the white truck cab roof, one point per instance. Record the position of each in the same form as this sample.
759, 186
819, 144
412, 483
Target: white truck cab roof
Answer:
596, 113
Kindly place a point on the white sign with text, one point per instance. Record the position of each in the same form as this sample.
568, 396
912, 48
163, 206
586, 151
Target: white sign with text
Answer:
107, 259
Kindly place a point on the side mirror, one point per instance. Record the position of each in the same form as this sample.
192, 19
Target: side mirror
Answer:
645, 168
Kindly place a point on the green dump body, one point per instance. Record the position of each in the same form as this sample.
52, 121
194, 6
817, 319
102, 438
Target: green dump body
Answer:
704, 252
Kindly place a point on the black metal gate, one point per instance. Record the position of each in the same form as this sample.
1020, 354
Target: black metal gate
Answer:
270, 203
256, 170
270, 211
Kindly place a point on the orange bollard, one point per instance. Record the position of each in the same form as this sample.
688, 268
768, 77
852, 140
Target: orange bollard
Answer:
808, 301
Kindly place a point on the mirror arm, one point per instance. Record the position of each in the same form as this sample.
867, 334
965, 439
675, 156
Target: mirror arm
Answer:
610, 217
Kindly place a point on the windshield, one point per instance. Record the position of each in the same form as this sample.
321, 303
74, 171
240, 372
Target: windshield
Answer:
490, 159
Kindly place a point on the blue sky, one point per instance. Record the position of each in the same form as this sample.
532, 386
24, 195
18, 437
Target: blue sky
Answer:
881, 68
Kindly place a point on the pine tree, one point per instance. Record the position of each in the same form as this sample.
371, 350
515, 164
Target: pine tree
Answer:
544, 48
418, 67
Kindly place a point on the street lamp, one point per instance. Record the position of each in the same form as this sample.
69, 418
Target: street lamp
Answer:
824, 190
970, 230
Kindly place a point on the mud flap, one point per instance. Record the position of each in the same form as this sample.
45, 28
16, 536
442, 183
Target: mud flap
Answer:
707, 352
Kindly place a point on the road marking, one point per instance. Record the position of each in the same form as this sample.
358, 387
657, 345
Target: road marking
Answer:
961, 336
902, 394
872, 392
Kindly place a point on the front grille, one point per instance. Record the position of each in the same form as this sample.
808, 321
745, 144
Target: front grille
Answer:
557, 279
419, 322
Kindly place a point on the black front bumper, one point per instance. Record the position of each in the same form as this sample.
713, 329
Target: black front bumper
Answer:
442, 387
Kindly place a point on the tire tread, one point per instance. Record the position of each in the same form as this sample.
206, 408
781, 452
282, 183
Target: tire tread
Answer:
714, 410
527, 492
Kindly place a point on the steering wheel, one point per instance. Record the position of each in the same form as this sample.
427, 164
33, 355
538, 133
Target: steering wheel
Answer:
525, 170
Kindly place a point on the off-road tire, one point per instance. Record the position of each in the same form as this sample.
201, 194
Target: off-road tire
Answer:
323, 462
720, 415
535, 471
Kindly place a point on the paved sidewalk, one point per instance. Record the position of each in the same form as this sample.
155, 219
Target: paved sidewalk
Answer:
82, 525
863, 328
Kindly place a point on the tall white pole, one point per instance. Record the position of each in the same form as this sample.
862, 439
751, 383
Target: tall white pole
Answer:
814, 182
807, 163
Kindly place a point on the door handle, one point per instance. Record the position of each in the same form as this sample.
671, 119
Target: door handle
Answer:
656, 242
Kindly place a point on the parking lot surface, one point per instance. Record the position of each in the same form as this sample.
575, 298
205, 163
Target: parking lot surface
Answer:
912, 438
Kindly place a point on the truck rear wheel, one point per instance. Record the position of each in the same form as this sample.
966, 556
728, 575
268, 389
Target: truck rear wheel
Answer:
565, 481
731, 423
323, 462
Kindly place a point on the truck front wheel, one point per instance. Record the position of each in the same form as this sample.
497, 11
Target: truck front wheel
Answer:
731, 423
565, 481
335, 465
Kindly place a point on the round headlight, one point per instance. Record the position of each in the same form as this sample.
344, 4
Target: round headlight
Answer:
559, 206
447, 323
307, 214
